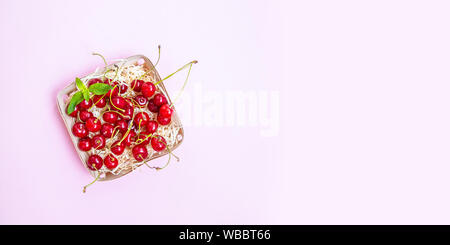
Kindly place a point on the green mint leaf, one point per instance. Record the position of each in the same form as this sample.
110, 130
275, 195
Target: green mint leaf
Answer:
82, 88
99, 88
76, 99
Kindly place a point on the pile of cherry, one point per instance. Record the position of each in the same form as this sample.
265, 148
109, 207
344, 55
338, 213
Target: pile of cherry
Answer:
135, 131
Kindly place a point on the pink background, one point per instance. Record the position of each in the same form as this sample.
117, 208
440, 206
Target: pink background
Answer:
364, 125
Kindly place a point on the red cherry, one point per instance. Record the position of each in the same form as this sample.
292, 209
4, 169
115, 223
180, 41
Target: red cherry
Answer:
158, 143
94, 81
93, 124
151, 127
123, 88
142, 138
119, 102
107, 130
114, 91
95, 162
163, 120
130, 138
111, 162
74, 112
165, 111
141, 119
85, 104
99, 101
141, 100
84, 144
159, 100
140, 152
122, 125
85, 115
152, 107
148, 89
110, 117
136, 85
117, 148
128, 113
98, 142
79, 129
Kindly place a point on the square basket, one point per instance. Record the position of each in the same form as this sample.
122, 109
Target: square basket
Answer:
174, 130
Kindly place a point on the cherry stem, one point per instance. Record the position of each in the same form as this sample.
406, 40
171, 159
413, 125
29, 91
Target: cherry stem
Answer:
159, 55
110, 99
188, 64
184, 85
96, 178
104, 60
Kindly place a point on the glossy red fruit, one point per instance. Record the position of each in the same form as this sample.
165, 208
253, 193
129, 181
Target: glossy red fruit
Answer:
94, 81
122, 125
151, 127
163, 120
93, 124
129, 138
99, 101
136, 85
107, 130
79, 130
158, 143
165, 111
111, 162
74, 112
85, 104
118, 102
98, 142
123, 88
152, 107
110, 116
143, 138
141, 119
140, 152
85, 115
117, 148
141, 100
95, 162
159, 100
128, 113
85, 144
148, 89
114, 91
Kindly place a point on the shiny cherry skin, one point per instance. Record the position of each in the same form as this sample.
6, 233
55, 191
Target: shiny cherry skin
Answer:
107, 130
128, 113
122, 125
159, 100
163, 120
158, 143
141, 119
165, 111
85, 115
140, 152
111, 161
118, 102
85, 144
93, 124
148, 89
129, 138
151, 127
79, 130
110, 116
123, 88
141, 100
114, 91
143, 138
85, 104
94, 81
99, 101
136, 85
98, 142
95, 162
152, 107
117, 148
74, 112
